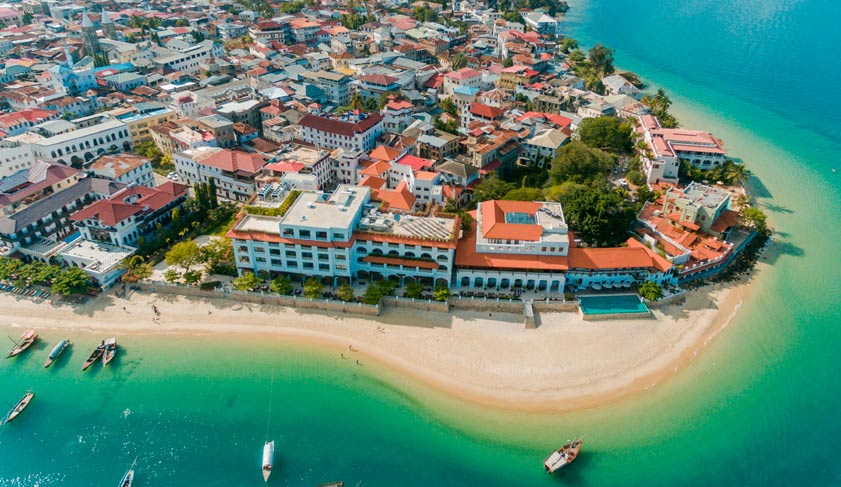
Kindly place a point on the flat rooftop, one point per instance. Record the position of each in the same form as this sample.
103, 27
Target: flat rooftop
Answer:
326, 211
98, 256
704, 195
260, 224
416, 227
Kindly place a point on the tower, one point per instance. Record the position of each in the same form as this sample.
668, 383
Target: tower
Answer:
67, 55
89, 38
108, 27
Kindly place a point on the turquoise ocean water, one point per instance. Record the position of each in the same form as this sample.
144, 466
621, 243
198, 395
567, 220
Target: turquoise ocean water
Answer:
760, 406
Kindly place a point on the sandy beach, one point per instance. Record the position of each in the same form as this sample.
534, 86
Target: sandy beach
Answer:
564, 364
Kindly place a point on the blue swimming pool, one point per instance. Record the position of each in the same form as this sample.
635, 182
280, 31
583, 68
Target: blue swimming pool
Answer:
609, 304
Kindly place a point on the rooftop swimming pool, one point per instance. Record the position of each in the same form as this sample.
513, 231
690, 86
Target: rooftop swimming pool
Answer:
612, 304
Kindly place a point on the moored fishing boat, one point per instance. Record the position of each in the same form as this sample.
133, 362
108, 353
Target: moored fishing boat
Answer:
56, 351
564, 456
128, 478
110, 351
94, 356
20, 406
268, 459
26, 340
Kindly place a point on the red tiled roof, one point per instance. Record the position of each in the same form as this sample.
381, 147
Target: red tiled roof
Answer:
486, 111
378, 79
115, 209
495, 227
384, 153
234, 161
340, 127
416, 163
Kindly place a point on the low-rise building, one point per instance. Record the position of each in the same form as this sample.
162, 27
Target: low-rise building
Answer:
80, 146
668, 147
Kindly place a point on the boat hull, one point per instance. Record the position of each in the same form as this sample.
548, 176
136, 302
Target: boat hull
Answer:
110, 351
20, 406
26, 341
128, 478
56, 352
564, 456
268, 460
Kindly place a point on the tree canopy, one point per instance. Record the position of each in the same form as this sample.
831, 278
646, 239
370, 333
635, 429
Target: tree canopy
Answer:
313, 287
607, 133
651, 291
184, 255
597, 215
524, 194
246, 282
492, 188
71, 280
659, 105
281, 285
579, 163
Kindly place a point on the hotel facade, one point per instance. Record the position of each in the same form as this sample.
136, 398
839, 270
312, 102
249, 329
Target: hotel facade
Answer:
512, 244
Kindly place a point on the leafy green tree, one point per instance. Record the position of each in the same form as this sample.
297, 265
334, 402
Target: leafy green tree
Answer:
636, 177
600, 60
26, 18
246, 282
345, 292
579, 163
71, 280
651, 291
281, 285
441, 293
192, 277
755, 218
387, 286
576, 57
491, 188
414, 290
459, 61
373, 294
313, 287
561, 192
184, 255
171, 275
9, 266
450, 127
607, 133
216, 253
507, 62
597, 215
659, 105
524, 194
449, 107
568, 45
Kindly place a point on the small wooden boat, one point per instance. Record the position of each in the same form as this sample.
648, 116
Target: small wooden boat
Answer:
26, 340
57, 350
94, 356
20, 406
268, 459
128, 478
561, 458
110, 351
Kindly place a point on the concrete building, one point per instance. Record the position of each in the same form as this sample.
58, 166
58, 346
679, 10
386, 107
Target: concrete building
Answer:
235, 172
343, 235
353, 131
128, 169
668, 147
80, 146
335, 85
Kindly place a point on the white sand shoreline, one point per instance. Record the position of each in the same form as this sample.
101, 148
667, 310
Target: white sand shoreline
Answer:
565, 364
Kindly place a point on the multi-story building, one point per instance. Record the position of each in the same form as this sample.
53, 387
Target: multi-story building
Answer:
235, 172
526, 245
397, 115
189, 59
306, 160
335, 85
221, 128
30, 184
468, 77
245, 111
376, 85
265, 32
343, 235
130, 213
16, 123
356, 131
543, 24
542, 148
696, 204
39, 230
141, 117
80, 146
516, 76
15, 156
124, 168
667, 147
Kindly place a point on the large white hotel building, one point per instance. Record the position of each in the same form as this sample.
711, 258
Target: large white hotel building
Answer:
511, 244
